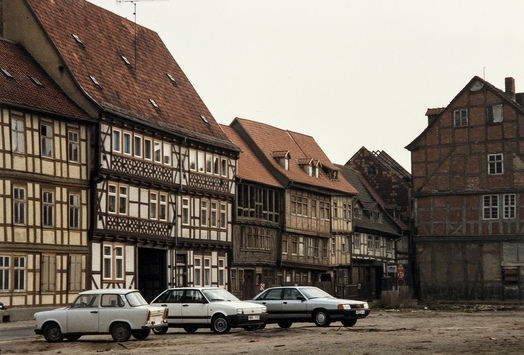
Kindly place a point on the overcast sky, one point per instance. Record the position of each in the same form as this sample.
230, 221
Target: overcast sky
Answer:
349, 73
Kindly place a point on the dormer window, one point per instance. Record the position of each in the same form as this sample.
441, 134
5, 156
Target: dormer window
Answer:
282, 157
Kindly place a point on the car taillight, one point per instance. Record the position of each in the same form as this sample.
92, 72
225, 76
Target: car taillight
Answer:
148, 316
166, 312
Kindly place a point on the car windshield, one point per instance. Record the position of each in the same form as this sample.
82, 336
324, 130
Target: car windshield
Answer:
313, 292
135, 299
219, 294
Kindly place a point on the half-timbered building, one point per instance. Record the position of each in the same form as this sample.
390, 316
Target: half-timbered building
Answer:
163, 176
312, 203
44, 186
468, 178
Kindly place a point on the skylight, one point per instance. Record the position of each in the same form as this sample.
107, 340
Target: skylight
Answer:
172, 79
204, 119
94, 80
78, 40
36, 81
6, 73
154, 104
125, 60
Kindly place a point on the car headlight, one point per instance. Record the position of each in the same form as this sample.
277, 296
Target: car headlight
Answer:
240, 311
366, 306
344, 306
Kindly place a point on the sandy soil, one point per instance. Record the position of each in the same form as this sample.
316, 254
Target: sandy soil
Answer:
383, 332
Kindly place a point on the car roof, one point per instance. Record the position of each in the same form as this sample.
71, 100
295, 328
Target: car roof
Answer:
115, 291
196, 288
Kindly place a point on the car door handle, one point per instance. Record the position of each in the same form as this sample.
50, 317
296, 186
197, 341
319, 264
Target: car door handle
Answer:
163, 305
185, 305
263, 302
284, 302
94, 311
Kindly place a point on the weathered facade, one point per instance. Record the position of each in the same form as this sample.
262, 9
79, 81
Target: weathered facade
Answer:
44, 186
468, 177
163, 174
311, 204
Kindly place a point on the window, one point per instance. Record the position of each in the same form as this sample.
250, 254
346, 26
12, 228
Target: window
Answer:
224, 167
75, 272
48, 209
358, 212
216, 165
343, 241
185, 211
167, 154
209, 163
335, 210
153, 204
127, 143
284, 244
158, 152
19, 205
163, 207
223, 215
19, 272
207, 272
198, 272
370, 243
48, 270
74, 211
325, 243
357, 241
73, 146
5, 273
460, 118
111, 200
510, 206
221, 272
117, 141
203, 213
46, 136
122, 200
214, 207
324, 210
494, 114
333, 245
372, 170
201, 162
148, 149
119, 262
17, 135
108, 257
294, 245
495, 164
138, 146
309, 247
301, 246
192, 160
113, 262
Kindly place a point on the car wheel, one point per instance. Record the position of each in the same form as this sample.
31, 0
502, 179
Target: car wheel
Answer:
349, 322
53, 333
262, 326
322, 318
284, 324
141, 334
121, 332
190, 329
73, 337
160, 331
220, 325
251, 328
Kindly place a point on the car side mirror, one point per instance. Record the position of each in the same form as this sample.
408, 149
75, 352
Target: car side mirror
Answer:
301, 298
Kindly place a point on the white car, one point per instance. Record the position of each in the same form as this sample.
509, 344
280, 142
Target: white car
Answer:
208, 307
118, 312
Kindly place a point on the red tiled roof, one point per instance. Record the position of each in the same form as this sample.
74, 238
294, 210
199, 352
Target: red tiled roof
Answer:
249, 166
271, 139
126, 88
435, 111
21, 90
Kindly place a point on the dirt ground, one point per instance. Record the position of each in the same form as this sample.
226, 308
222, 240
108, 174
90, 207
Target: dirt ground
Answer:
407, 331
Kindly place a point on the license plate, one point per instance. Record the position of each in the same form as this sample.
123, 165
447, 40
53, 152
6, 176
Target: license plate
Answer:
360, 311
257, 317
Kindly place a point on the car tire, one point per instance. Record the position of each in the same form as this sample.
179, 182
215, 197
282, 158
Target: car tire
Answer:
262, 326
321, 318
141, 334
160, 331
349, 322
284, 324
73, 337
220, 325
190, 329
53, 333
121, 332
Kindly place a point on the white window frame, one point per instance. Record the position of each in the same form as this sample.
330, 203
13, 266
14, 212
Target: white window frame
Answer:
157, 152
74, 211
460, 118
198, 271
48, 208
167, 154
5, 272
126, 143
221, 272
46, 140
112, 198
192, 160
223, 216
216, 165
20, 272
224, 167
185, 211
209, 164
204, 213
148, 149
162, 213
107, 272
19, 205
510, 206
201, 163
153, 205
17, 135
496, 164
207, 272
137, 146
119, 262
117, 140
490, 207
214, 214
122, 199
73, 145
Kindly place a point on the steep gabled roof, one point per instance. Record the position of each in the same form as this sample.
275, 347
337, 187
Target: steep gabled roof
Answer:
249, 166
126, 68
477, 83
391, 164
17, 87
267, 139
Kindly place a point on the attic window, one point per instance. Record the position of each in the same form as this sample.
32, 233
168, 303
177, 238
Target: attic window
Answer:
172, 79
36, 81
125, 60
78, 40
6, 73
204, 119
282, 157
154, 104
94, 80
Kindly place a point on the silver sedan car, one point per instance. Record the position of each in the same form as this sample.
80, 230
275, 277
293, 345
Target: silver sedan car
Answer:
289, 304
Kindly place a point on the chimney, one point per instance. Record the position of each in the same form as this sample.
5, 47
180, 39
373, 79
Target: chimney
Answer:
510, 87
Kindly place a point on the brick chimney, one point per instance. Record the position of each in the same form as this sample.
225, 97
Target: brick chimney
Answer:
510, 87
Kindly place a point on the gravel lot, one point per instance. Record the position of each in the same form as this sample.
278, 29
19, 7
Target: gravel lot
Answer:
482, 330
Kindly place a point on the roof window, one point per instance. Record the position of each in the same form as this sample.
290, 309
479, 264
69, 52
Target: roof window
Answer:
172, 79
6, 73
125, 60
204, 119
94, 81
78, 40
36, 81
155, 105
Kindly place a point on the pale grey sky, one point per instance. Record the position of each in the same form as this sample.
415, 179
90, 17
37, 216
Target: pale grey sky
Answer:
349, 73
